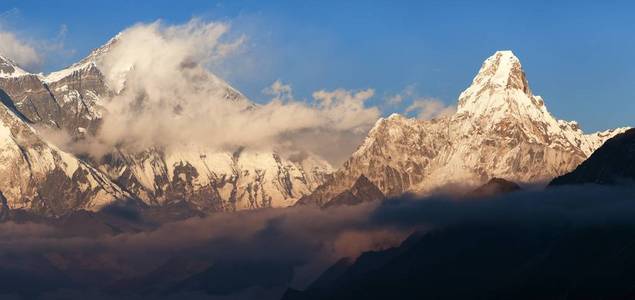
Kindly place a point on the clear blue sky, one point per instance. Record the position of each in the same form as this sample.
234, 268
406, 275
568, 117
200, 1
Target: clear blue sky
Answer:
577, 54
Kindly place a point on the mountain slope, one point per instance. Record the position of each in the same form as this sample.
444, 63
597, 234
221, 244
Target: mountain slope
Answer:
362, 191
493, 261
74, 100
35, 175
610, 164
494, 187
215, 181
500, 129
71, 103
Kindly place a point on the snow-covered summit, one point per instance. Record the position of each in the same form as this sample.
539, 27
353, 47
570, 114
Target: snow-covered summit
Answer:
10, 69
500, 100
90, 61
500, 130
38, 176
503, 70
75, 100
500, 87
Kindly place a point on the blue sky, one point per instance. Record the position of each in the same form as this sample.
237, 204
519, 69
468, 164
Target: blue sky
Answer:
577, 54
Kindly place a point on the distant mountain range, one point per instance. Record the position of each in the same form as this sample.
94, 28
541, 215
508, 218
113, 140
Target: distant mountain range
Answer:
37, 176
500, 130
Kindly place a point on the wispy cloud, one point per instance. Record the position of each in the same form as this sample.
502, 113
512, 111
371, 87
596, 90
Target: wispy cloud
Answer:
430, 108
28, 51
425, 108
18, 50
407, 93
279, 91
168, 97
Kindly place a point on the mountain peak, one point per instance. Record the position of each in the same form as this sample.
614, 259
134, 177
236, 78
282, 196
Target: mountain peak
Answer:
9, 68
500, 87
98, 53
90, 61
503, 70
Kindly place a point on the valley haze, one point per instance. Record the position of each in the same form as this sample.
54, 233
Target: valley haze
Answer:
142, 171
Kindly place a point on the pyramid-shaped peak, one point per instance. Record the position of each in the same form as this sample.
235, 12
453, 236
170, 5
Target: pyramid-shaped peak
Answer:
502, 70
90, 61
97, 53
505, 53
502, 56
500, 88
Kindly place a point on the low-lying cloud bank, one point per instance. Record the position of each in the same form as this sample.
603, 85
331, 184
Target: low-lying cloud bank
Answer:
262, 252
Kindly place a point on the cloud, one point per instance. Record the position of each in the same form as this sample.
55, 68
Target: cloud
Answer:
430, 108
20, 51
55, 48
10, 13
346, 110
31, 52
279, 91
407, 93
576, 205
303, 239
426, 108
342, 119
167, 97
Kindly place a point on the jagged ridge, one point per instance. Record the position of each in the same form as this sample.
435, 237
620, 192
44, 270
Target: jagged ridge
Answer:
612, 163
500, 130
72, 100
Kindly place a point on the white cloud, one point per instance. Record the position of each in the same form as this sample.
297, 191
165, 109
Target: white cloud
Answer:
20, 51
345, 110
279, 91
426, 108
168, 98
407, 93
56, 48
430, 108
29, 51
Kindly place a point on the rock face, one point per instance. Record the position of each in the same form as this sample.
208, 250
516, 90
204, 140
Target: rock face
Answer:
494, 187
500, 129
37, 176
612, 163
215, 181
70, 103
362, 191
476, 261
73, 100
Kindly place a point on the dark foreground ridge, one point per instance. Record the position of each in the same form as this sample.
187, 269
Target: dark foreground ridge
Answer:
362, 191
612, 163
496, 186
490, 261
